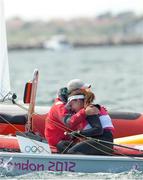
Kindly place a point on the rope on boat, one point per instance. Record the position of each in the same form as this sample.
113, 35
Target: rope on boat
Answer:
61, 128
98, 141
8, 96
67, 147
19, 105
21, 133
13, 97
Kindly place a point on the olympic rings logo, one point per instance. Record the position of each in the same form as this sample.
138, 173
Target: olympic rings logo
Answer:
34, 149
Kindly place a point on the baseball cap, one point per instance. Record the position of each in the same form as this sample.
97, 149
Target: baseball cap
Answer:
76, 84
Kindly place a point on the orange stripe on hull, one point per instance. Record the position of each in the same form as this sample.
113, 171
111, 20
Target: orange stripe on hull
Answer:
8, 129
9, 143
124, 127
126, 151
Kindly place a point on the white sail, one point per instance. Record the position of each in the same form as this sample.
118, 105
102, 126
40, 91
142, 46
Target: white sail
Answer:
4, 67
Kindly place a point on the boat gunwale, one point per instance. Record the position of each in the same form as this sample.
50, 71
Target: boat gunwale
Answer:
71, 157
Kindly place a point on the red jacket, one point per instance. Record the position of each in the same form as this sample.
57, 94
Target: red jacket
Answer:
55, 125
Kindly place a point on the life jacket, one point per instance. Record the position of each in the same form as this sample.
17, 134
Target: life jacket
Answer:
55, 127
104, 118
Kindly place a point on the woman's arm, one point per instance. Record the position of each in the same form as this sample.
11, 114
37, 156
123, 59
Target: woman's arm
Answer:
96, 127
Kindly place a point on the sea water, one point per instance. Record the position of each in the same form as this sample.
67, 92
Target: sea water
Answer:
115, 73
78, 176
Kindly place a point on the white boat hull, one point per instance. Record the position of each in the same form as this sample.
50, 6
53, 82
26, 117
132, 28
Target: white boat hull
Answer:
21, 163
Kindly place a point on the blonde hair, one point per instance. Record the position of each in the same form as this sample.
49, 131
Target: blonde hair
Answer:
89, 95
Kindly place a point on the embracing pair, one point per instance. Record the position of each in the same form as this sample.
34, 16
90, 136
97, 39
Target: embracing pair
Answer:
75, 125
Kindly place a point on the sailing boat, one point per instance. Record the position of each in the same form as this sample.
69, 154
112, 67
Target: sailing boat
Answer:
22, 154
15, 115
4, 68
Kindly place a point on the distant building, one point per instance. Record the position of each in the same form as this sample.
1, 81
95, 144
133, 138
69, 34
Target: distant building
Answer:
126, 15
105, 15
135, 28
138, 28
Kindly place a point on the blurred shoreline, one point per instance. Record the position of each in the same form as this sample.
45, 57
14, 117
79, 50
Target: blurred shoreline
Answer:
76, 45
104, 30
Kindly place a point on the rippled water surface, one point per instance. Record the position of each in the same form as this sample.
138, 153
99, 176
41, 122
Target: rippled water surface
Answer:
116, 73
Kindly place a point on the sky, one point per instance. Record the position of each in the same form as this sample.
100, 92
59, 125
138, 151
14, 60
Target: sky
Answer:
67, 9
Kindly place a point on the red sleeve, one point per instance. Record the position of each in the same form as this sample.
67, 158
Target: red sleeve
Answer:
76, 118
70, 120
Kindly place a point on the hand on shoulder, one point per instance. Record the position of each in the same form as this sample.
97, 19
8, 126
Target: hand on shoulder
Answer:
91, 110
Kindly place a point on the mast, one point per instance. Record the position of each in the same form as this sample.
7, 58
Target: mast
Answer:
31, 109
4, 66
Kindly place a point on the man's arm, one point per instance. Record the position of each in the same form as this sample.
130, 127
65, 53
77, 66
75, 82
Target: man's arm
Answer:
69, 119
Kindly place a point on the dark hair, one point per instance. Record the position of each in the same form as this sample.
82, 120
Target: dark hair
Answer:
63, 94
